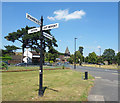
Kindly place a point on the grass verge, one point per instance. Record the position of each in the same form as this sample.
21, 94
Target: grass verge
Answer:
62, 85
102, 66
11, 68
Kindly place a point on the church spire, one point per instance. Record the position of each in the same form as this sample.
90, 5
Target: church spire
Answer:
67, 52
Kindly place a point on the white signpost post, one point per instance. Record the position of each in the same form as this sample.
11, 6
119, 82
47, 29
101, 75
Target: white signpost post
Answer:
41, 28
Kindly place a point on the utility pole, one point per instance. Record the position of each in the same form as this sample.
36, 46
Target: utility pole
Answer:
100, 51
41, 61
75, 55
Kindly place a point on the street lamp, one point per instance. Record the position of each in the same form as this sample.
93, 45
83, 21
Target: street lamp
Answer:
75, 55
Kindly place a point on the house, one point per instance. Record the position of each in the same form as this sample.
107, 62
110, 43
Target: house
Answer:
106, 62
27, 57
31, 57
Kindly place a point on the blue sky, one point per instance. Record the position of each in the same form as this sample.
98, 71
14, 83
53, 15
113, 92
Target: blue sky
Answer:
94, 24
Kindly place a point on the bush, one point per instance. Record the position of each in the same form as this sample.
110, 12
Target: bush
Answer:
63, 67
3, 66
51, 61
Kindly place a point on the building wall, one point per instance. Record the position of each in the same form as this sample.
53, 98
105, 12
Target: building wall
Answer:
15, 59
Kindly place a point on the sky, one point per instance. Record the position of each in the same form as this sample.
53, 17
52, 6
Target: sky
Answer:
94, 24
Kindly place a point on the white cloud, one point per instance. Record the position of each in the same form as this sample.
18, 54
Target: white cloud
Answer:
98, 46
64, 14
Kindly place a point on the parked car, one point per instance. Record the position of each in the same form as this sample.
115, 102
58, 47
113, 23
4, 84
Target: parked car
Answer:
49, 64
21, 64
58, 63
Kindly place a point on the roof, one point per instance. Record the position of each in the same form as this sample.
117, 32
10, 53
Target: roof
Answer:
35, 53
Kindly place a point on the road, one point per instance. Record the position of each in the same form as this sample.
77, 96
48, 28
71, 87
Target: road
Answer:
105, 85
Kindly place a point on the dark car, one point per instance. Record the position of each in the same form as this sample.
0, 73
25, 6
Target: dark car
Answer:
48, 64
21, 64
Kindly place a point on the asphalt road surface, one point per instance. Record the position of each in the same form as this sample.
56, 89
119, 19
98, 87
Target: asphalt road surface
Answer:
105, 85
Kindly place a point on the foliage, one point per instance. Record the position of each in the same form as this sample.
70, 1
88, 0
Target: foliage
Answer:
78, 57
99, 60
11, 48
86, 59
118, 58
51, 57
108, 55
92, 58
3, 65
51, 61
6, 58
71, 59
81, 50
31, 40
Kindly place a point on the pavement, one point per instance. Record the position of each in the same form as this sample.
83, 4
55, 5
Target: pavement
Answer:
105, 85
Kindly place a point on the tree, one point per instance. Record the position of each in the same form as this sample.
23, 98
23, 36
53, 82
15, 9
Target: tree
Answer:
92, 58
81, 50
99, 60
86, 59
118, 58
108, 55
20, 35
50, 57
71, 59
79, 57
31, 40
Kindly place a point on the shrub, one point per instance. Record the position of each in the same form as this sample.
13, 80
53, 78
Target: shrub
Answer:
51, 61
3, 66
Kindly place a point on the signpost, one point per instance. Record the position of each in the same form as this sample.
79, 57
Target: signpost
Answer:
42, 43
46, 27
33, 30
47, 35
28, 16
51, 26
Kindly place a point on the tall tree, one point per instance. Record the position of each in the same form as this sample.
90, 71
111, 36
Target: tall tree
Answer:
31, 40
79, 58
108, 55
92, 58
81, 49
19, 35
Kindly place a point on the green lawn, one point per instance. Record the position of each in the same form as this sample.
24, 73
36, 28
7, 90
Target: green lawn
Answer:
62, 85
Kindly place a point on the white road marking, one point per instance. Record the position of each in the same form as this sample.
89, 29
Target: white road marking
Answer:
95, 98
115, 73
97, 77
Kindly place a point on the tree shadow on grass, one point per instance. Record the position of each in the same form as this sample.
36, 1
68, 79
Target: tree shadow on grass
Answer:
44, 88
